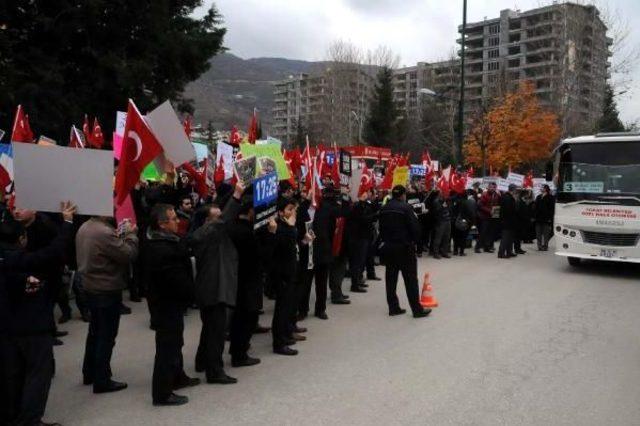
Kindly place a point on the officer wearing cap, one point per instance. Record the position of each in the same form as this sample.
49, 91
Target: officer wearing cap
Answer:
399, 232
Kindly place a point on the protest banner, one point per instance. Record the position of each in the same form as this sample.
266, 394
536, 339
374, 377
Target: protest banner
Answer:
46, 176
345, 162
170, 133
202, 151
245, 170
417, 170
515, 179
265, 196
225, 151
151, 173
503, 185
400, 176
121, 120
272, 151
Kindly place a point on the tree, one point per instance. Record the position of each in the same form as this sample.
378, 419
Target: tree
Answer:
381, 120
610, 121
516, 131
64, 59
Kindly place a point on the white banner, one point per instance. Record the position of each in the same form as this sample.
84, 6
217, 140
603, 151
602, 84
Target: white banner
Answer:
225, 151
170, 133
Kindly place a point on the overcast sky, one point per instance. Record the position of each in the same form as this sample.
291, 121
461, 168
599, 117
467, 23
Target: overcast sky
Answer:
417, 30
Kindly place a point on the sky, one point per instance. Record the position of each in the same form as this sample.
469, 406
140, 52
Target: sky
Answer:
417, 30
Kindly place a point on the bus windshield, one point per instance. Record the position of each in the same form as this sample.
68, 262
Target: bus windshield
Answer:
606, 170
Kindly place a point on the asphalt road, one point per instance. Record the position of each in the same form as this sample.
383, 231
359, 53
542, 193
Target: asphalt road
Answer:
526, 341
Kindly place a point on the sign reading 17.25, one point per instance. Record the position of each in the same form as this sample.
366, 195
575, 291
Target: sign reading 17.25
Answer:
265, 190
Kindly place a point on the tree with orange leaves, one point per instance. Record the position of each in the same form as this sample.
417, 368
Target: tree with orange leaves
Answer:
514, 132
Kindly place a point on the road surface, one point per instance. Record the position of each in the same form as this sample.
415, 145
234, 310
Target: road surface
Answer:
526, 341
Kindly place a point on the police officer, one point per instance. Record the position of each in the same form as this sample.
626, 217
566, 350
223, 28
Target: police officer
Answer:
399, 231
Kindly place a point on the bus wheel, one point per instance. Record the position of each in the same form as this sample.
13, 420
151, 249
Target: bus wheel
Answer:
574, 261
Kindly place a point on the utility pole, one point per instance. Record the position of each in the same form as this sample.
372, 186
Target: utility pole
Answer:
460, 138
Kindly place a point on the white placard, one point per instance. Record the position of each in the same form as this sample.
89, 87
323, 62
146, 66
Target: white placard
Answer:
503, 185
225, 151
167, 128
45, 176
121, 119
515, 179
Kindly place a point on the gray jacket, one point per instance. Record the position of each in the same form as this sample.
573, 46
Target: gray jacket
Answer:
216, 260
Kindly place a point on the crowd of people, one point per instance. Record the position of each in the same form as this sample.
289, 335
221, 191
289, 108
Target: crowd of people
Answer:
185, 252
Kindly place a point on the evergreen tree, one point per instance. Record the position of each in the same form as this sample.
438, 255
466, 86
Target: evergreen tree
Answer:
62, 59
380, 127
610, 121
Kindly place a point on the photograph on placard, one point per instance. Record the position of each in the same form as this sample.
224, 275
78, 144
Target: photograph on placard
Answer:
267, 165
246, 170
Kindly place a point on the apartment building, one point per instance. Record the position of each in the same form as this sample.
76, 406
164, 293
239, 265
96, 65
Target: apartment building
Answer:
562, 48
442, 78
330, 105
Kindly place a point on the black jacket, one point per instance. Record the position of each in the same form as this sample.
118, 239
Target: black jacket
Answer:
167, 265
324, 226
508, 213
398, 224
441, 210
360, 221
253, 256
544, 208
285, 253
23, 313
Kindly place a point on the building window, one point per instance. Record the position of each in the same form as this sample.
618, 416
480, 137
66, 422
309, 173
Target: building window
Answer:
495, 53
494, 41
494, 66
494, 29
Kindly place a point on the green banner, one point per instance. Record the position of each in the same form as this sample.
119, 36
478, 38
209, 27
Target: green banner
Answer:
271, 151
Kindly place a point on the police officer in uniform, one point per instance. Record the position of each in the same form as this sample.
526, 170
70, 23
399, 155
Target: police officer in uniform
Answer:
399, 231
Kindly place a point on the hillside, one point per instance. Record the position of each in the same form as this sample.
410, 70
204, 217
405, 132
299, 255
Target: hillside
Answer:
228, 92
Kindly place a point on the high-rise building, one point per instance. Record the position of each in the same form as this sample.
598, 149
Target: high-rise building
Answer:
329, 106
562, 49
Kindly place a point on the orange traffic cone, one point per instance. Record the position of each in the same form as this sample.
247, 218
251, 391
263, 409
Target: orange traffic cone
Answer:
426, 299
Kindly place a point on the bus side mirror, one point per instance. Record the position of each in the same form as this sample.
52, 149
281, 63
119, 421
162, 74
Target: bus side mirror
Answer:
548, 173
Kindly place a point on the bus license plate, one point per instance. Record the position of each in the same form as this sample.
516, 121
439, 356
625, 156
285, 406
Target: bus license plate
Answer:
608, 253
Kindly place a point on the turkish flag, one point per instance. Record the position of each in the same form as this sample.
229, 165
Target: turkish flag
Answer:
443, 182
86, 128
218, 176
139, 148
366, 181
21, 128
253, 128
528, 180
76, 139
96, 140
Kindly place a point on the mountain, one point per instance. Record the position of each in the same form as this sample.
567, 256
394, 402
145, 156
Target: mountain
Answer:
227, 93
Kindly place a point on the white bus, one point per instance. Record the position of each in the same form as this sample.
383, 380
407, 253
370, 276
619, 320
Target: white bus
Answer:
597, 213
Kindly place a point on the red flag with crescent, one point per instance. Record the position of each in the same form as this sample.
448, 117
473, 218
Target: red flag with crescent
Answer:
21, 129
139, 148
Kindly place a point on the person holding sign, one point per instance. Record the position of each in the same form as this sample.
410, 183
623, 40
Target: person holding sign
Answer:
26, 319
216, 284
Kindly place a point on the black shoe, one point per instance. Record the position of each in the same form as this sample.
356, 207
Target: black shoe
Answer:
172, 400
302, 316
187, 382
358, 290
419, 254
436, 256
478, 251
290, 341
87, 381
41, 423
260, 329
64, 318
285, 350
246, 362
61, 333
125, 310
322, 315
489, 250
200, 368
57, 342
520, 252
446, 256
86, 316
299, 330
112, 386
341, 302
421, 314
462, 254
298, 337
222, 379
374, 278
398, 311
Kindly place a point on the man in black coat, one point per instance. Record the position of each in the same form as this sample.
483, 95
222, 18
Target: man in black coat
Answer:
509, 221
216, 285
360, 231
399, 231
253, 255
544, 210
167, 262
26, 319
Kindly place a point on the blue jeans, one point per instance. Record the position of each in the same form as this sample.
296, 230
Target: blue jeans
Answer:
103, 329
